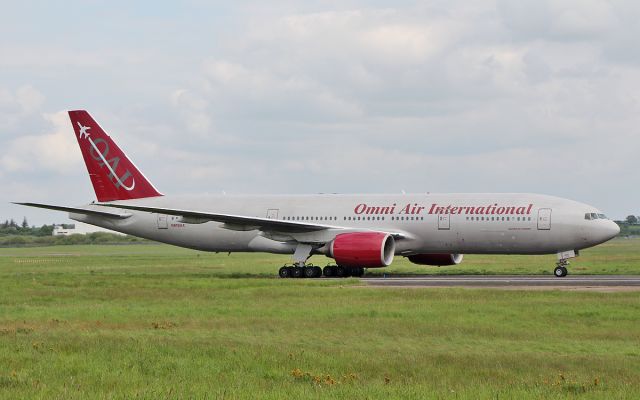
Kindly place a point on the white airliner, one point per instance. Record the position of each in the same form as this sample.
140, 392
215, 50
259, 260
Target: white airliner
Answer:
357, 231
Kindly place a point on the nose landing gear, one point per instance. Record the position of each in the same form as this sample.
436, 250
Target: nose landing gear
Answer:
561, 271
563, 260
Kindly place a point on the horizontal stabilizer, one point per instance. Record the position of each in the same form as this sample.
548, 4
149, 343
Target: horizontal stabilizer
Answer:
77, 210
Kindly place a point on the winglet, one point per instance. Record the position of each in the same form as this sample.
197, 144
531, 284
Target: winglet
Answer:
113, 175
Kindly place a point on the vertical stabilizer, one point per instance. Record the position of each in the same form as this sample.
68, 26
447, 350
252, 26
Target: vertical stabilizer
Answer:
113, 175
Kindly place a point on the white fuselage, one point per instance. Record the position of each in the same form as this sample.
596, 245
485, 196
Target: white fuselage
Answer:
480, 223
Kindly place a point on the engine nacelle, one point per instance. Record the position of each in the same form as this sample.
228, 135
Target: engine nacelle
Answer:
363, 249
438, 260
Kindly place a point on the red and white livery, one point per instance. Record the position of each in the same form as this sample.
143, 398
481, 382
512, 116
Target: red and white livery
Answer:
357, 231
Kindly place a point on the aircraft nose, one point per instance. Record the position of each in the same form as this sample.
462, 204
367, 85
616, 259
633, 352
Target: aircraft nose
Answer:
608, 231
614, 229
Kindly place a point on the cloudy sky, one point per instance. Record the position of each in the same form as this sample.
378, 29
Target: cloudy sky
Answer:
326, 96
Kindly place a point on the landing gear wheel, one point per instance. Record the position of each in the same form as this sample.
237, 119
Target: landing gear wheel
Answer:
560, 271
357, 272
285, 272
341, 272
298, 272
309, 272
329, 271
317, 272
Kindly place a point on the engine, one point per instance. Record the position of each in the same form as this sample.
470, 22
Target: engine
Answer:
436, 259
363, 249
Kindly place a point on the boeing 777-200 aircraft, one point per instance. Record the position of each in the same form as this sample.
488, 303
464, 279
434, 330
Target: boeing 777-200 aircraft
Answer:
357, 231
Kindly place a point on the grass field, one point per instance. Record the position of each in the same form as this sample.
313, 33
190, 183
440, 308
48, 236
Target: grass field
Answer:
152, 321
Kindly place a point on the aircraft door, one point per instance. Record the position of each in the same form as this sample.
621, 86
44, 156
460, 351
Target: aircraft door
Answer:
163, 221
544, 219
444, 222
272, 213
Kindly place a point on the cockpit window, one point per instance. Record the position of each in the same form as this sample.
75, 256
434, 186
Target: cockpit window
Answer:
590, 216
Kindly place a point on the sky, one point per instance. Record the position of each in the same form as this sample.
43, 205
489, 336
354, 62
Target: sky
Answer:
251, 97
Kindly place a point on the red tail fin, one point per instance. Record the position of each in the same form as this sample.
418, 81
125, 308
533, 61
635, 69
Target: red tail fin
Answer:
113, 175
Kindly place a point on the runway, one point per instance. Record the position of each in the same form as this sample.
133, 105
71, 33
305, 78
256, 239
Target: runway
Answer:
586, 282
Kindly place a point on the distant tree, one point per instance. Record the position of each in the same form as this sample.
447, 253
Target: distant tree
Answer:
45, 230
632, 219
12, 223
25, 224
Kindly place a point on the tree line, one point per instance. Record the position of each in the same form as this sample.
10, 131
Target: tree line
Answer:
11, 227
632, 219
14, 234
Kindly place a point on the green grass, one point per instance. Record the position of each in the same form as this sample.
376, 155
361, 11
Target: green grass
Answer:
152, 321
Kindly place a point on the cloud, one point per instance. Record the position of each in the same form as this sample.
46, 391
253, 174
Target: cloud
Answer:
55, 151
352, 97
16, 105
560, 20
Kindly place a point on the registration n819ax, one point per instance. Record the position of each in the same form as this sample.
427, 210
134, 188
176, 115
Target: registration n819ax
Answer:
357, 231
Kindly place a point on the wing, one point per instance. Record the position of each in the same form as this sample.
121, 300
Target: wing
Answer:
77, 210
234, 222
240, 222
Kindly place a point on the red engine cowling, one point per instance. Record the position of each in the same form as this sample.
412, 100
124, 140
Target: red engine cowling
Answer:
363, 249
436, 259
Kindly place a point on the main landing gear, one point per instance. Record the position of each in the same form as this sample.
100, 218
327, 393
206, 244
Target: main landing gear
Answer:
312, 271
338, 271
300, 268
294, 271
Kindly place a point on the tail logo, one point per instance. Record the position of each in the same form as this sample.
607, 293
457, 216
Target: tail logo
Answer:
83, 130
101, 157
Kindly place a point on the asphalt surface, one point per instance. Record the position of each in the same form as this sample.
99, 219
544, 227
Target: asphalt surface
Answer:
509, 281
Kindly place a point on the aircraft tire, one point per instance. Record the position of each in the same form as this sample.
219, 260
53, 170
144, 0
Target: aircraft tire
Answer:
309, 272
329, 271
341, 272
317, 272
298, 272
560, 272
284, 272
